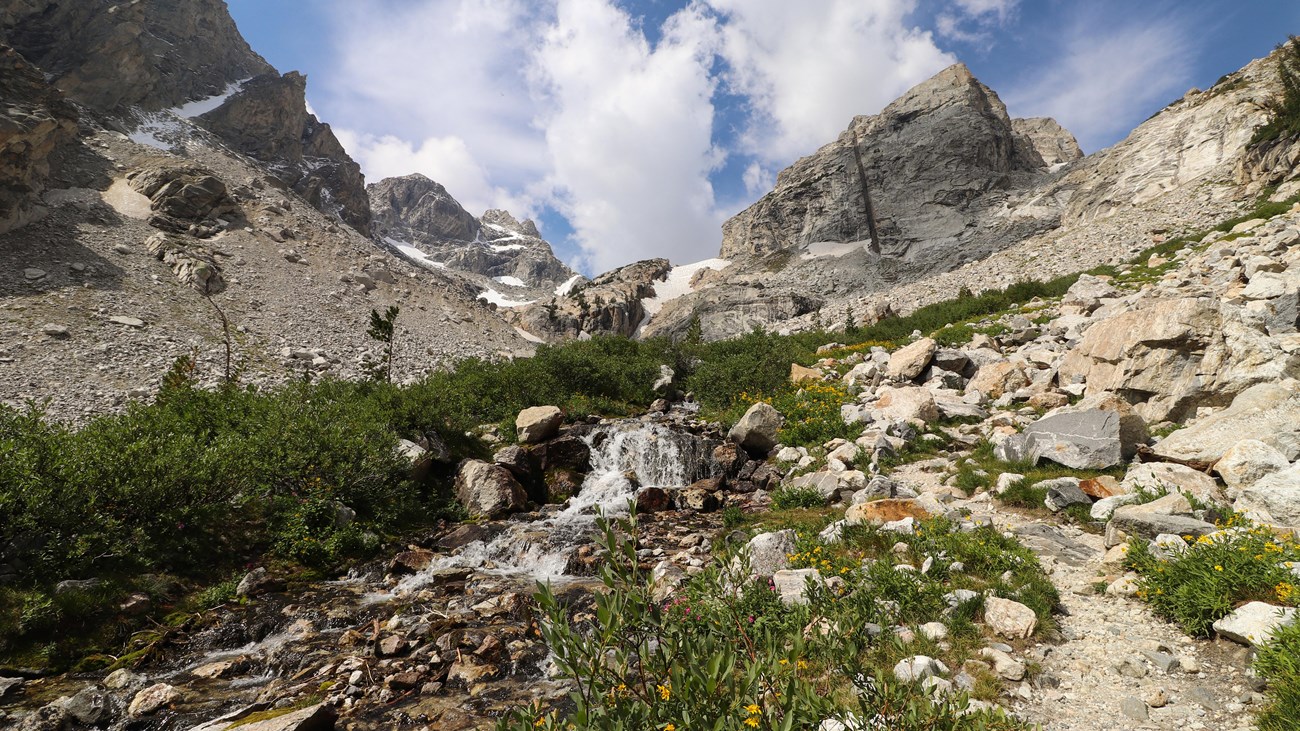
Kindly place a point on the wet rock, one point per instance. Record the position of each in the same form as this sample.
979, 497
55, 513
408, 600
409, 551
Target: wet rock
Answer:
122, 678
566, 452
1010, 619
411, 561
731, 458
257, 582
538, 423
319, 717
653, 500
152, 699
467, 671
91, 706
488, 490
11, 687
755, 432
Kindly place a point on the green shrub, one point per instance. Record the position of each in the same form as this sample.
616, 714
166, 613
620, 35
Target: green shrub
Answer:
725, 653
1285, 121
757, 362
1245, 562
789, 498
1279, 664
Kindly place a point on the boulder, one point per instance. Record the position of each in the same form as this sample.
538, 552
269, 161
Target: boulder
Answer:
1248, 461
756, 430
319, 717
538, 423
792, 585
653, 500
770, 552
918, 667
910, 361
1274, 498
1140, 520
1254, 623
152, 699
1008, 618
907, 403
799, 373
1157, 477
1089, 439
256, 582
1063, 492
1269, 412
879, 512
488, 490
997, 379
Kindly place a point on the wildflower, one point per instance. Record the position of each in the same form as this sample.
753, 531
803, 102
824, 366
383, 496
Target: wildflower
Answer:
665, 691
1285, 591
751, 722
669, 727
541, 721
753, 709
1217, 567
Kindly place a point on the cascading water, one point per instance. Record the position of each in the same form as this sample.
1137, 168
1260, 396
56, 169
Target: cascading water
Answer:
653, 454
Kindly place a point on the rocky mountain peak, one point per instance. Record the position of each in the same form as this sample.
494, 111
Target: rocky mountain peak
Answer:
1051, 141
498, 217
414, 202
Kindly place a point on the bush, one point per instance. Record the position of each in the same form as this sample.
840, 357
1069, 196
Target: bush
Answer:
757, 362
751, 662
790, 498
1286, 110
1245, 562
1279, 664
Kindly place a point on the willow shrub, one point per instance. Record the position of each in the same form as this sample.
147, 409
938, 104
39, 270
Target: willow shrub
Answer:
725, 654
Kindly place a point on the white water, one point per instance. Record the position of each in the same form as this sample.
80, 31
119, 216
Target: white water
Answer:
656, 454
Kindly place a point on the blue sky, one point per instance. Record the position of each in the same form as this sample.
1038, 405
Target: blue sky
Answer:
633, 128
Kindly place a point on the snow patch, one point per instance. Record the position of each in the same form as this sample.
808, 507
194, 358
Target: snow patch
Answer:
677, 284
511, 281
414, 254
833, 248
500, 300
567, 287
505, 247
200, 107
529, 336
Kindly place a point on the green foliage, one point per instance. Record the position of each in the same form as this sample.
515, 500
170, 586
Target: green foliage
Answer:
756, 362
382, 329
1285, 121
1279, 664
787, 498
732, 517
751, 662
1244, 562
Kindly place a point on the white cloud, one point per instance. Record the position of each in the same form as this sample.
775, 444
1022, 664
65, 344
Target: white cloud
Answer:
808, 68
999, 9
629, 129
758, 179
1108, 75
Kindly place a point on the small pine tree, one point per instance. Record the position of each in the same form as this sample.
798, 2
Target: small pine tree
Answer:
1285, 109
850, 322
694, 331
382, 329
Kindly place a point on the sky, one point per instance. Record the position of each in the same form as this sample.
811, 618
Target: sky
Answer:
631, 129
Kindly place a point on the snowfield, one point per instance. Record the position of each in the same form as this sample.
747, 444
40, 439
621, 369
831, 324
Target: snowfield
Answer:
677, 284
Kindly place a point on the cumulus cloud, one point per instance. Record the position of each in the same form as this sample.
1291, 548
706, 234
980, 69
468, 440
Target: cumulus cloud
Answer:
808, 68
972, 21
1107, 75
629, 128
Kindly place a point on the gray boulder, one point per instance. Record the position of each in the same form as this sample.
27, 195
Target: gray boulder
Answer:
1133, 520
770, 552
1274, 498
1062, 493
756, 430
1247, 462
910, 361
1269, 412
1090, 439
488, 490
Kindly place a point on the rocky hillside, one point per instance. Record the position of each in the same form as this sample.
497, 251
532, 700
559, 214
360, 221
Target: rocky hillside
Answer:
505, 258
139, 64
168, 193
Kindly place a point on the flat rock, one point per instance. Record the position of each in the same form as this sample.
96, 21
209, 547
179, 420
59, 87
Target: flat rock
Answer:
1134, 521
134, 322
909, 361
1254, 623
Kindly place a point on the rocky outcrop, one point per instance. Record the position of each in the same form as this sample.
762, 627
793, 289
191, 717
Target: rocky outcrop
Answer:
416, 204
151, 54
923, 171
1050, 140
35, 121
612, 303
268, 120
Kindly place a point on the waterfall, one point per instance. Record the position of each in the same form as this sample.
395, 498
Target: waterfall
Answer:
655, 454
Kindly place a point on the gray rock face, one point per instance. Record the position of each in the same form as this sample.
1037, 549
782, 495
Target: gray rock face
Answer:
1269, 413
37, 121
1064, 492
1275, 498
268, 120
927, 162
610, 303
1132, 519
419, 212
1050, 140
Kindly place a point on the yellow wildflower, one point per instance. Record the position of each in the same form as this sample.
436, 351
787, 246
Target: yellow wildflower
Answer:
1217, 567
751, 722
669, 727
665, 691
753, 709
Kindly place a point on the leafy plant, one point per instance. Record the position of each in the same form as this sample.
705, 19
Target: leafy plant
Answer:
382, 329
1279, 664
787, 498
1285, 109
